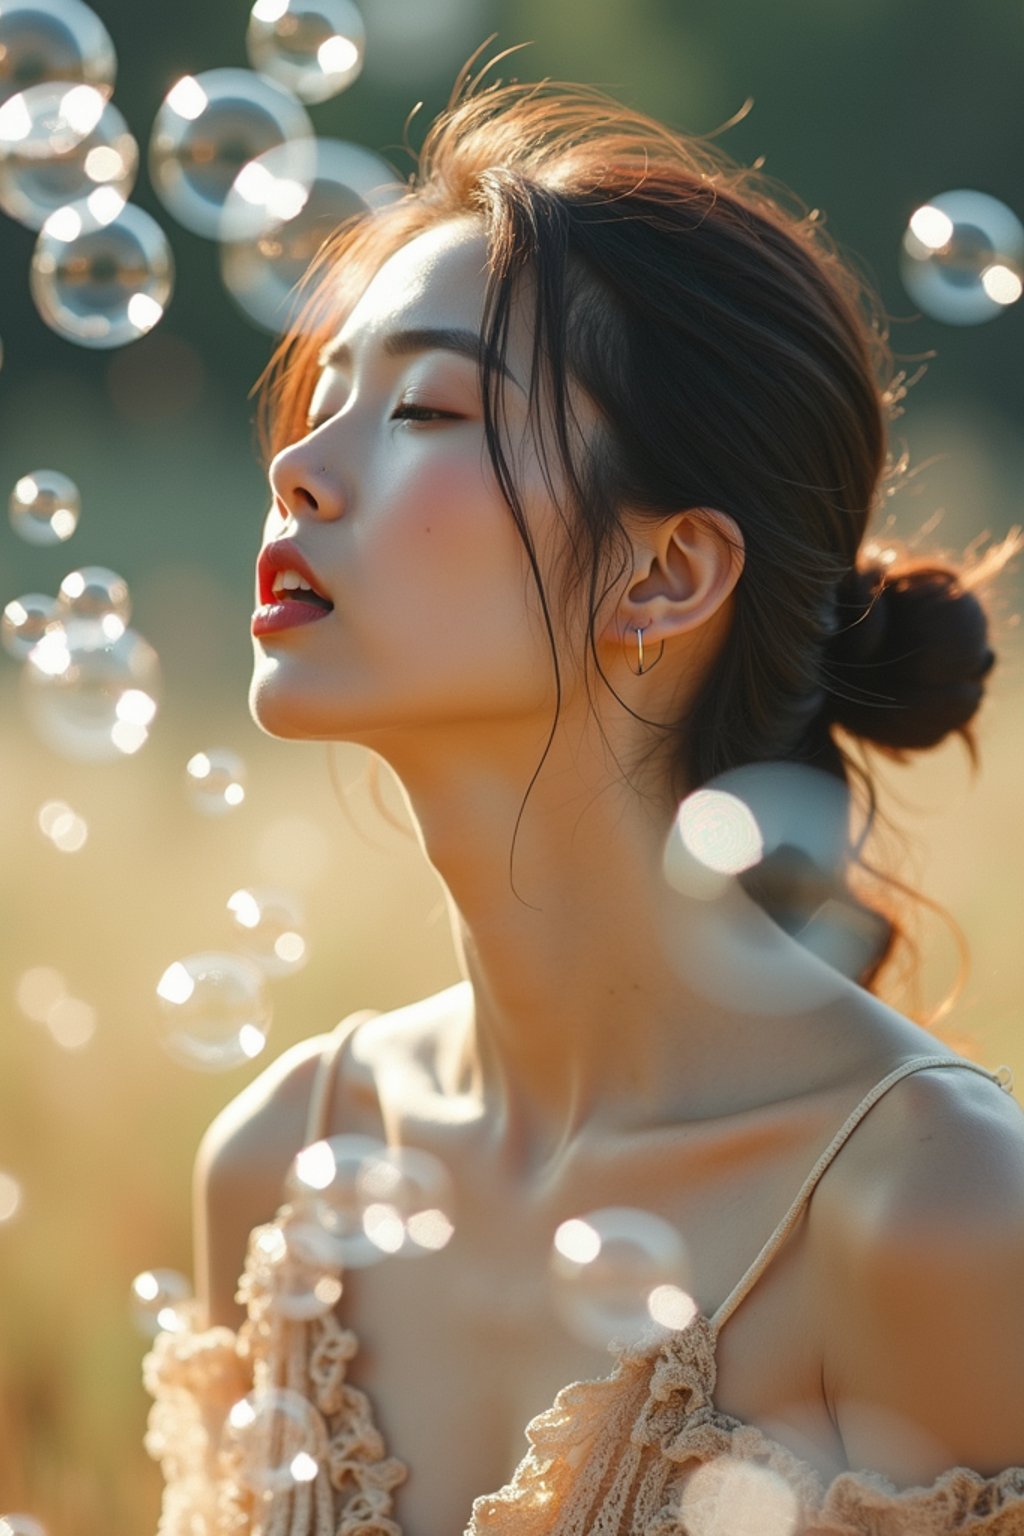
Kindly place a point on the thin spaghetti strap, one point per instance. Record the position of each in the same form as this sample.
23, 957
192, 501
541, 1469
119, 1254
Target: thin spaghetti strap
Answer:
789, 1221
319, 1117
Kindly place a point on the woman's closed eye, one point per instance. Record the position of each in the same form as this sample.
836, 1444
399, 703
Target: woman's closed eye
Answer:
411, 410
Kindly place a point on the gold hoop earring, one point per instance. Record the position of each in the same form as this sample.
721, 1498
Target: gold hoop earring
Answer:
640, 669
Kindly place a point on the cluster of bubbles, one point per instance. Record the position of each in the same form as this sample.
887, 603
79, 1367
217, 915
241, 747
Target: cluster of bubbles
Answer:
233, 156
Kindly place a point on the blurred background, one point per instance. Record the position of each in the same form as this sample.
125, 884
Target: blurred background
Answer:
867, 109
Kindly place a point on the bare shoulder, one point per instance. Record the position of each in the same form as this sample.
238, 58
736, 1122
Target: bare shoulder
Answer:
921, 1246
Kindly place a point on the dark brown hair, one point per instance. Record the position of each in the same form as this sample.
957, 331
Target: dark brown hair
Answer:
737, 361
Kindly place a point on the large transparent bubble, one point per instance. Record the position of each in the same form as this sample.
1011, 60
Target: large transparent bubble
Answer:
275, 223
621, 1275
93, 592
962, 257
313, 47
58, 143
275, 1439
24, 622
214, 1011
44, 507
53, 40
102, 271
210, 126
269, 927
92, 689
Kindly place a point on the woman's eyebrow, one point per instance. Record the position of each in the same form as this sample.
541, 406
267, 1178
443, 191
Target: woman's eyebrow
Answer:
422, 339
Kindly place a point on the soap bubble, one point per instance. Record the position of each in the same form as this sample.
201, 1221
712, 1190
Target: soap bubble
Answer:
306, 1282
312, 47
93, 592
276, 1440
211, 125
44, 507
373, 1201
24, 622
216, 780
275, 223
64, 827
160, 1300
58, 144
730, 1497
621, 1275
962, 257
92, 688
102, 271
214, 1011
268, 926
10, 1196
53, 40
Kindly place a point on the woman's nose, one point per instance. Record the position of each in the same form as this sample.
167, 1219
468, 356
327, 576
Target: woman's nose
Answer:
303, 482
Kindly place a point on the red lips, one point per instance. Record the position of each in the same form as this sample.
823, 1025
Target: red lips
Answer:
283, 555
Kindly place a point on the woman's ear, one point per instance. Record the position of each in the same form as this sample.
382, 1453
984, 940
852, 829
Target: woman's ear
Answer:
684, 568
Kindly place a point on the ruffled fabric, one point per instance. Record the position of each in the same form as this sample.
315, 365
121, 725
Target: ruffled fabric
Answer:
641, 1452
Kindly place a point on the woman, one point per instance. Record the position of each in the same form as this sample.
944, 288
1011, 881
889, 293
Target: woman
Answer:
576, 451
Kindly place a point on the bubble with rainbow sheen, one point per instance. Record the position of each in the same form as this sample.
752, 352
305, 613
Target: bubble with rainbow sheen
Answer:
274, 223
211, 125
92, 592
213, 1011
962, 257
215, 779
44, 507
58, 144
92, 689
53, 40
24, 621
620, 1275
269, 928
276, 1439
160, 1301
102, 271
314, 48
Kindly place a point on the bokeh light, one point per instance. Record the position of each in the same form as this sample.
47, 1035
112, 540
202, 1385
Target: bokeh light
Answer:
621, 1275
10, 1196
276, 1439
211, 125
728, 1496
58, 144
24, 622
213, 1011
159, 1301
312, 47
215, 780
38, 989
962, 257
92, 689
268, 927
64, 828
274, 224
71, 1022
102, 271
53, 40
44, 507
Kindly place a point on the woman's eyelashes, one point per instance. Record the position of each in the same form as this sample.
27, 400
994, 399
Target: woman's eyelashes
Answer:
405, 410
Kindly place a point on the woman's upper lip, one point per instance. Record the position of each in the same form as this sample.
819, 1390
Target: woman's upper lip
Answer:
284, 555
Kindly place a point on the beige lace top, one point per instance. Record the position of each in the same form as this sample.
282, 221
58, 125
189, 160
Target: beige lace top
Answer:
641, 1452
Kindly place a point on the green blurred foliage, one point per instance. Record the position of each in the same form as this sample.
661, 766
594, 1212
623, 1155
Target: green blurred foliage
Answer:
865, 108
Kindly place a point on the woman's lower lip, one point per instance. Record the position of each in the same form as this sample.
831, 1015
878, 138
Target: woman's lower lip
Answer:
270, 617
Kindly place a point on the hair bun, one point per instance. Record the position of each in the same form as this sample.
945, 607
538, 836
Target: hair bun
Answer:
906, 664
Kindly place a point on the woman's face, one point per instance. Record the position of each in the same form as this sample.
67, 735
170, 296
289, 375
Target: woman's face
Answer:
391, 503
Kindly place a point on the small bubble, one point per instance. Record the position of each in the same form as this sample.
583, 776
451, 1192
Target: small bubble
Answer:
25, 620
159, 1301
277, 1439
619, 1275
92, 689
306, 1282
91, 593
53, 40
10, 1196
102, 271
312, 47
44, 507
58, 145
211, 125
214, 1012
962, 257
215, 780
268, 928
